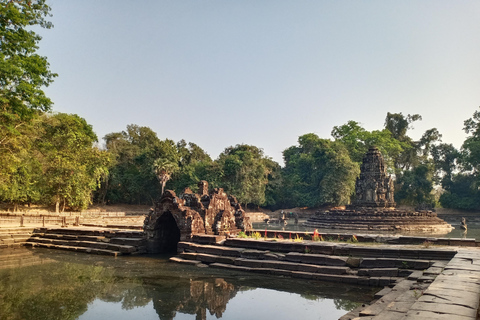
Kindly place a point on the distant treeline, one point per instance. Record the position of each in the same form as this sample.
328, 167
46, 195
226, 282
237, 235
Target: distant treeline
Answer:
53, 158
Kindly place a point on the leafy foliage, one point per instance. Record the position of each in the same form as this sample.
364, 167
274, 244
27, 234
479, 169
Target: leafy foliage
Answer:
318, 172
244, 173
23, 72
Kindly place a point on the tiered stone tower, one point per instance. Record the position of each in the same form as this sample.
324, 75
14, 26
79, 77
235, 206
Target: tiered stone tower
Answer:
374, 188
374, 205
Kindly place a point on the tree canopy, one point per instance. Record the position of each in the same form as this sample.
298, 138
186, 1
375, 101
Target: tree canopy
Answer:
23, 72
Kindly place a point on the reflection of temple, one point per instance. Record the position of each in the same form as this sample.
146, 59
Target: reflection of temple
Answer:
197, 298
373, 207
374, 188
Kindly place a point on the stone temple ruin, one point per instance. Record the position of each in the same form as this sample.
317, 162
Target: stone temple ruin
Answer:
374, 205
374, 188
179, 218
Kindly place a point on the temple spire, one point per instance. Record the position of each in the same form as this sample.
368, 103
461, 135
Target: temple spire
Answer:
374, 188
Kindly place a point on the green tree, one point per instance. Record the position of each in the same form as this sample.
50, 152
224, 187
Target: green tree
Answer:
416, 187
23, 72
318, 172
244, 173
357, 140
132, 179
164, 169
71, 164
461, 169
194, 165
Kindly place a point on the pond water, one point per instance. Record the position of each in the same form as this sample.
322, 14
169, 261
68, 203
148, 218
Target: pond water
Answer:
473, 230
49, 284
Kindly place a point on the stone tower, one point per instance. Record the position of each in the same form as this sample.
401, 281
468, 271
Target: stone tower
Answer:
374, 188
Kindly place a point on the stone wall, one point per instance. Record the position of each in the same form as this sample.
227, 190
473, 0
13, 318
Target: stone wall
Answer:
177, 219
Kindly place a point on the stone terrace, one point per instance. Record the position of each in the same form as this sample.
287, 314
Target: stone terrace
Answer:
419, 283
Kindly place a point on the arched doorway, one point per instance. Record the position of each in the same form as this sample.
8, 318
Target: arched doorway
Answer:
167, 234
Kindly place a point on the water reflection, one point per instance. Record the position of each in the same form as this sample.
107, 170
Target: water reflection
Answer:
64, 285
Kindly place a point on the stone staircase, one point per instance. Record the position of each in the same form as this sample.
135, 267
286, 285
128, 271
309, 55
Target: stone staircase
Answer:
14, 237
370, 266
98, 241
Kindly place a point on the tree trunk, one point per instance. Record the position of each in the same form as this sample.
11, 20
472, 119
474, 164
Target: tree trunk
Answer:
57, 204
163, 188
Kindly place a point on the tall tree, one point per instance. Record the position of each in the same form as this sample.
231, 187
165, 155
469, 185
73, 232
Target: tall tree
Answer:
318, 172
357, 140
164, 169
132, 179
194, 165
72, 164
23, 72
244, 173
462, 187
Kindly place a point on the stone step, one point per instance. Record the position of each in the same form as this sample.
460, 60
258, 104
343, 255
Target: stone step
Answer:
112, 233
310, 258
125, 249
207, 238
341, 249
128, 241
74, 248
275, 264
344, 278
73, 237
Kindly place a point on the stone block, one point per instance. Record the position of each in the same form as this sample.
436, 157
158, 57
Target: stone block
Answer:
302, 275
443, 241
249, 263
322, 248
353, 262
317, 259
390, 253
385, 281
252, 254
280, 265
430, 315
382, 292
443, 308
432, 271
378, 272
178, 260
415, 275
388, 314
462, 242
341, 250
377, 263
280, 272
438, 296
357, 251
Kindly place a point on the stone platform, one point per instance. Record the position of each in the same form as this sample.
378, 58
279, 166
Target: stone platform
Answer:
379, 219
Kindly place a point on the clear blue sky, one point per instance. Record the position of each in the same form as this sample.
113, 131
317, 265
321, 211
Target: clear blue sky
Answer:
263, 72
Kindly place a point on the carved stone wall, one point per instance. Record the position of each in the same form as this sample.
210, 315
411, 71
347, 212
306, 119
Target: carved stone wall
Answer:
191, 213
374, 188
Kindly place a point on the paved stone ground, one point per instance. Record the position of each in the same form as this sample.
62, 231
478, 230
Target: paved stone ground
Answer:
454, 294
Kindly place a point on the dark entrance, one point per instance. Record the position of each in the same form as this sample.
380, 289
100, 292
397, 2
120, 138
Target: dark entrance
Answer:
167, 234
